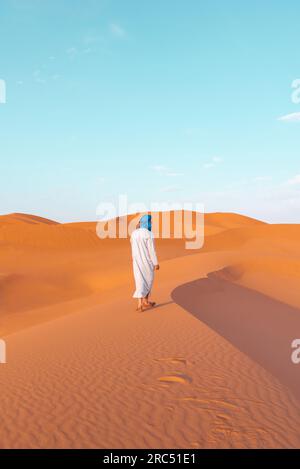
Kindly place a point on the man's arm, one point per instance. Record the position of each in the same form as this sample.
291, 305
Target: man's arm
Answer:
152, 252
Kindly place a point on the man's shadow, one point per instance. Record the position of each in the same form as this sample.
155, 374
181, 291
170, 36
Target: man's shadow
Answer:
256, 324
158, 305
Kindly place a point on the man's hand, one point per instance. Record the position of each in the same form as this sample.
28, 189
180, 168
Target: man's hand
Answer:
156, 267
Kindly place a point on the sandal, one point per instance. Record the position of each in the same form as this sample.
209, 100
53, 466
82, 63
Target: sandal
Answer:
151, 304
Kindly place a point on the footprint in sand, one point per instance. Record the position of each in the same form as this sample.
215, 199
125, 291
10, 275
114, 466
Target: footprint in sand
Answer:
175, 378
215, 405
173, 360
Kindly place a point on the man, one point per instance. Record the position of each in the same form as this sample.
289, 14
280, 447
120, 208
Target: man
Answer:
144, 262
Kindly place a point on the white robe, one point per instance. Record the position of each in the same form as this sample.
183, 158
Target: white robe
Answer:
144, 259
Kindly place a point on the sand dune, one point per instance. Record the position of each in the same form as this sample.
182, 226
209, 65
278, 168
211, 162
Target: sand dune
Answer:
209, 367
19, 218
44, 263
256, 324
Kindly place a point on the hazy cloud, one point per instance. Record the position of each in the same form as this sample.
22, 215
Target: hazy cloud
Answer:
171, 189
165, 171
294, 117
117, 30
294, 181
214, 162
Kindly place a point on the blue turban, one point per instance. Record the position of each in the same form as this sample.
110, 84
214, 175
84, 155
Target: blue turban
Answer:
146, 222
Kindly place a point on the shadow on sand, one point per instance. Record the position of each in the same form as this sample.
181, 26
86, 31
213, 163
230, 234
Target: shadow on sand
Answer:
158, 305
257, 325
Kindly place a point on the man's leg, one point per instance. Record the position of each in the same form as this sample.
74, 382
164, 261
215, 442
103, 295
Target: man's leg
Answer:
147, 302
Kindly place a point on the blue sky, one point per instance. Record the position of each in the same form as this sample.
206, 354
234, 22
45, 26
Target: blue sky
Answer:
168, 100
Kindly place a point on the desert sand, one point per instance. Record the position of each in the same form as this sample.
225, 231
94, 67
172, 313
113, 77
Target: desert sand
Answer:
209, 367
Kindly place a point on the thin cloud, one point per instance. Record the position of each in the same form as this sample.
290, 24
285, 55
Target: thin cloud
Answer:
117, 30
294, 117
191, 131
213, 163
38, 78
165, 171
294, 181
169, 189
262, 178
72, 52
173, 174
159, 168
92, 37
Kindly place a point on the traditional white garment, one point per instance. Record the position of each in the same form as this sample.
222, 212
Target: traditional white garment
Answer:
144, 259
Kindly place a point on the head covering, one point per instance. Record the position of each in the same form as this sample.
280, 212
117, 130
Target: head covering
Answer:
146, 222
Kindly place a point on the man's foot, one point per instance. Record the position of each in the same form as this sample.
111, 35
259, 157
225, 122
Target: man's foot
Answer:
150, 304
